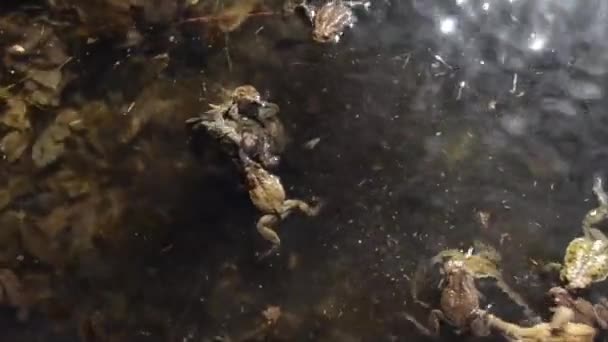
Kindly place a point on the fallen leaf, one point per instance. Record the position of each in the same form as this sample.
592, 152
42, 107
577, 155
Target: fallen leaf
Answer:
13, 145
56, 221
47, 78
67, 116
43, 98
50, 145
15, 115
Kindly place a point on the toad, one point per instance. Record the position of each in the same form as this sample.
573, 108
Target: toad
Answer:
483, 261
245, 121
331, 19
560, 329
268, 196
459, 303
584, 311
586, 257
243, 99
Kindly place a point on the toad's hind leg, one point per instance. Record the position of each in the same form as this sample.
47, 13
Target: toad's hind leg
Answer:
292, 204
265, 228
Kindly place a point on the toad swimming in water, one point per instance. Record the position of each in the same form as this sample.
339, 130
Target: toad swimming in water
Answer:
268, 195
330, 20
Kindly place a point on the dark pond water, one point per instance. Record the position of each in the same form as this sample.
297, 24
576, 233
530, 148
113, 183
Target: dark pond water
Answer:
428, 113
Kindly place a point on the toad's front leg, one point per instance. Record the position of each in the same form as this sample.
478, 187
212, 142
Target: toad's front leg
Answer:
265, 227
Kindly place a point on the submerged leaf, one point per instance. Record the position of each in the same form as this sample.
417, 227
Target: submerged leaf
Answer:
15, 115
50, 145
5, 198
233, 17
36, 243
47, 78
13, 145
43, 98
70, 183
55, 222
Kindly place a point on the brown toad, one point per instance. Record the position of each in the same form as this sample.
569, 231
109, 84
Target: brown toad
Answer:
245, 121
268, 195
483, 261
459, 303
263, 136
331, 19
